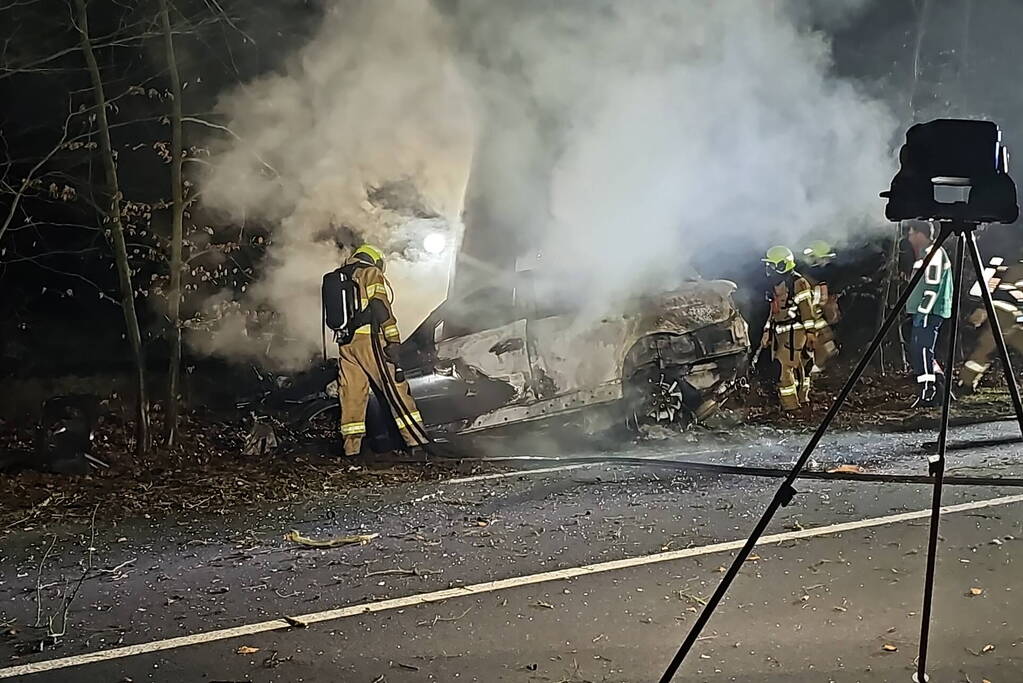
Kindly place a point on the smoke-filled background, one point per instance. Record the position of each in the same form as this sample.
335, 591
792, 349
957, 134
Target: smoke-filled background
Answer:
624, 143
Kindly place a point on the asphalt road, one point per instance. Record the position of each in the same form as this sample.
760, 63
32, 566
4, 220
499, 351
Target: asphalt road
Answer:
566, 575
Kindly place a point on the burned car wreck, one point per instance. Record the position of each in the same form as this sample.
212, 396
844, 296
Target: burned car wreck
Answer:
666, 359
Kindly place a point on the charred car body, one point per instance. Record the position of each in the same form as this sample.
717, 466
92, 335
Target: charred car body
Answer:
665, 359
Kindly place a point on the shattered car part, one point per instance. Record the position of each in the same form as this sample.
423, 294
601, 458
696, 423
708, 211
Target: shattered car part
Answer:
671, 358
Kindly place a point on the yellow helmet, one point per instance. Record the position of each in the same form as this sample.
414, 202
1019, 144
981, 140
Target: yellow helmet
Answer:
818, 252
372, 252
780, 260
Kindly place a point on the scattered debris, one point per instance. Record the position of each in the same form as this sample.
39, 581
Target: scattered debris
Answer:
275, 660
976, 591
261, 440
888, 647
693, 599
438, 618
846, 469
357, 539
246, 650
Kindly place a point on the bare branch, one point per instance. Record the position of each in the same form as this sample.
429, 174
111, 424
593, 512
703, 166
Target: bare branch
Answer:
27, 181
78, 276
221, 127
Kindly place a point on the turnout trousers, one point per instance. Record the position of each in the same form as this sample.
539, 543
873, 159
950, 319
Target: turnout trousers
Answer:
358, 373
795, 362
980, 358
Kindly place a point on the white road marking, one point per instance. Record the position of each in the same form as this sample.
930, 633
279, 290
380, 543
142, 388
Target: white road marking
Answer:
481, 588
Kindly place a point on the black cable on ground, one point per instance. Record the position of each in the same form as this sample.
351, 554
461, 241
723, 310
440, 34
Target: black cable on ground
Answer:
715, 468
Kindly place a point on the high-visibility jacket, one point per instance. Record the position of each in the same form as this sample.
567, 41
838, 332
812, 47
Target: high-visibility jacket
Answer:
373, 286
933, 295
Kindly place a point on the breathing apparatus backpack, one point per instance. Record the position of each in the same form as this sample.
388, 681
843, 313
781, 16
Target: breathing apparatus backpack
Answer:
341, 302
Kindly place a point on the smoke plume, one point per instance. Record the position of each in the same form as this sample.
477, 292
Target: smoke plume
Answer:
365, 135
619, 139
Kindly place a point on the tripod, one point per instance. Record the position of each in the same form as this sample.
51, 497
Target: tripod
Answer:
966, 241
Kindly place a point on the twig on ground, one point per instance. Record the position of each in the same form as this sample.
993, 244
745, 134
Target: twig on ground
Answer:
68, 599
438, 618
415, 571
39, 583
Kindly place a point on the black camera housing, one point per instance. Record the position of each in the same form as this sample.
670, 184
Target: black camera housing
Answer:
953, 153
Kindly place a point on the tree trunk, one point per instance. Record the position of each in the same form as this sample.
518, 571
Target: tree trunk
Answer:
177, 230
113, 216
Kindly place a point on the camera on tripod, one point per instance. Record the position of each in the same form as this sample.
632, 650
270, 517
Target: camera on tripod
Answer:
953, 170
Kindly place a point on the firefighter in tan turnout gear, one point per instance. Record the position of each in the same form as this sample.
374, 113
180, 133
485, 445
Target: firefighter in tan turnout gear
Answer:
792, 325
818, 256
1005, 282
360, 367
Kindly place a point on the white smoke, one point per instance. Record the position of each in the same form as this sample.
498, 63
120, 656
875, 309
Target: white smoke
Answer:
636, 135
682, 128
364, 136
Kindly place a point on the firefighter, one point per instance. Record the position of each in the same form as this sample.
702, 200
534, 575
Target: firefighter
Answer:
818, 257
360, 366
1004, 282
929, 306
791, 328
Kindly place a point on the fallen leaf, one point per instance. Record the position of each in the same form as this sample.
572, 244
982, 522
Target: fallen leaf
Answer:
846, 469
753, 558
987, 648
246, 650
545, 605
976, 591
889, 648
360, 539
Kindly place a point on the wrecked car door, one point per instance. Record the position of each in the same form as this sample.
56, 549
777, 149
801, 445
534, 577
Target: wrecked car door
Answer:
499, 354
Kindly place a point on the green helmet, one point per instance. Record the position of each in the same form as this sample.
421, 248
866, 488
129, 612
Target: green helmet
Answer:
818, 252
780, 260
369, 253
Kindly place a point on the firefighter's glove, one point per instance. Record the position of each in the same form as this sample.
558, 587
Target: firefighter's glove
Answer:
811, 342
978, 317
391, 351
765, 341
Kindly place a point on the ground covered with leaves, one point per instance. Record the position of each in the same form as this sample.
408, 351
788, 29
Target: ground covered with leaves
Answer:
206, 473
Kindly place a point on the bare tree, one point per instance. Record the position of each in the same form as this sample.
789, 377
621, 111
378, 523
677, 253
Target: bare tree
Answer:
112, 216
177, 230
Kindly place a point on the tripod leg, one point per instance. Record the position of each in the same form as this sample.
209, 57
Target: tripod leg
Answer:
996, 330
785, 492
937, 462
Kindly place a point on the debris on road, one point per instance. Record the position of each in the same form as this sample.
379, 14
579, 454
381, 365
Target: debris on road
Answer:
356, 539
246, 650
